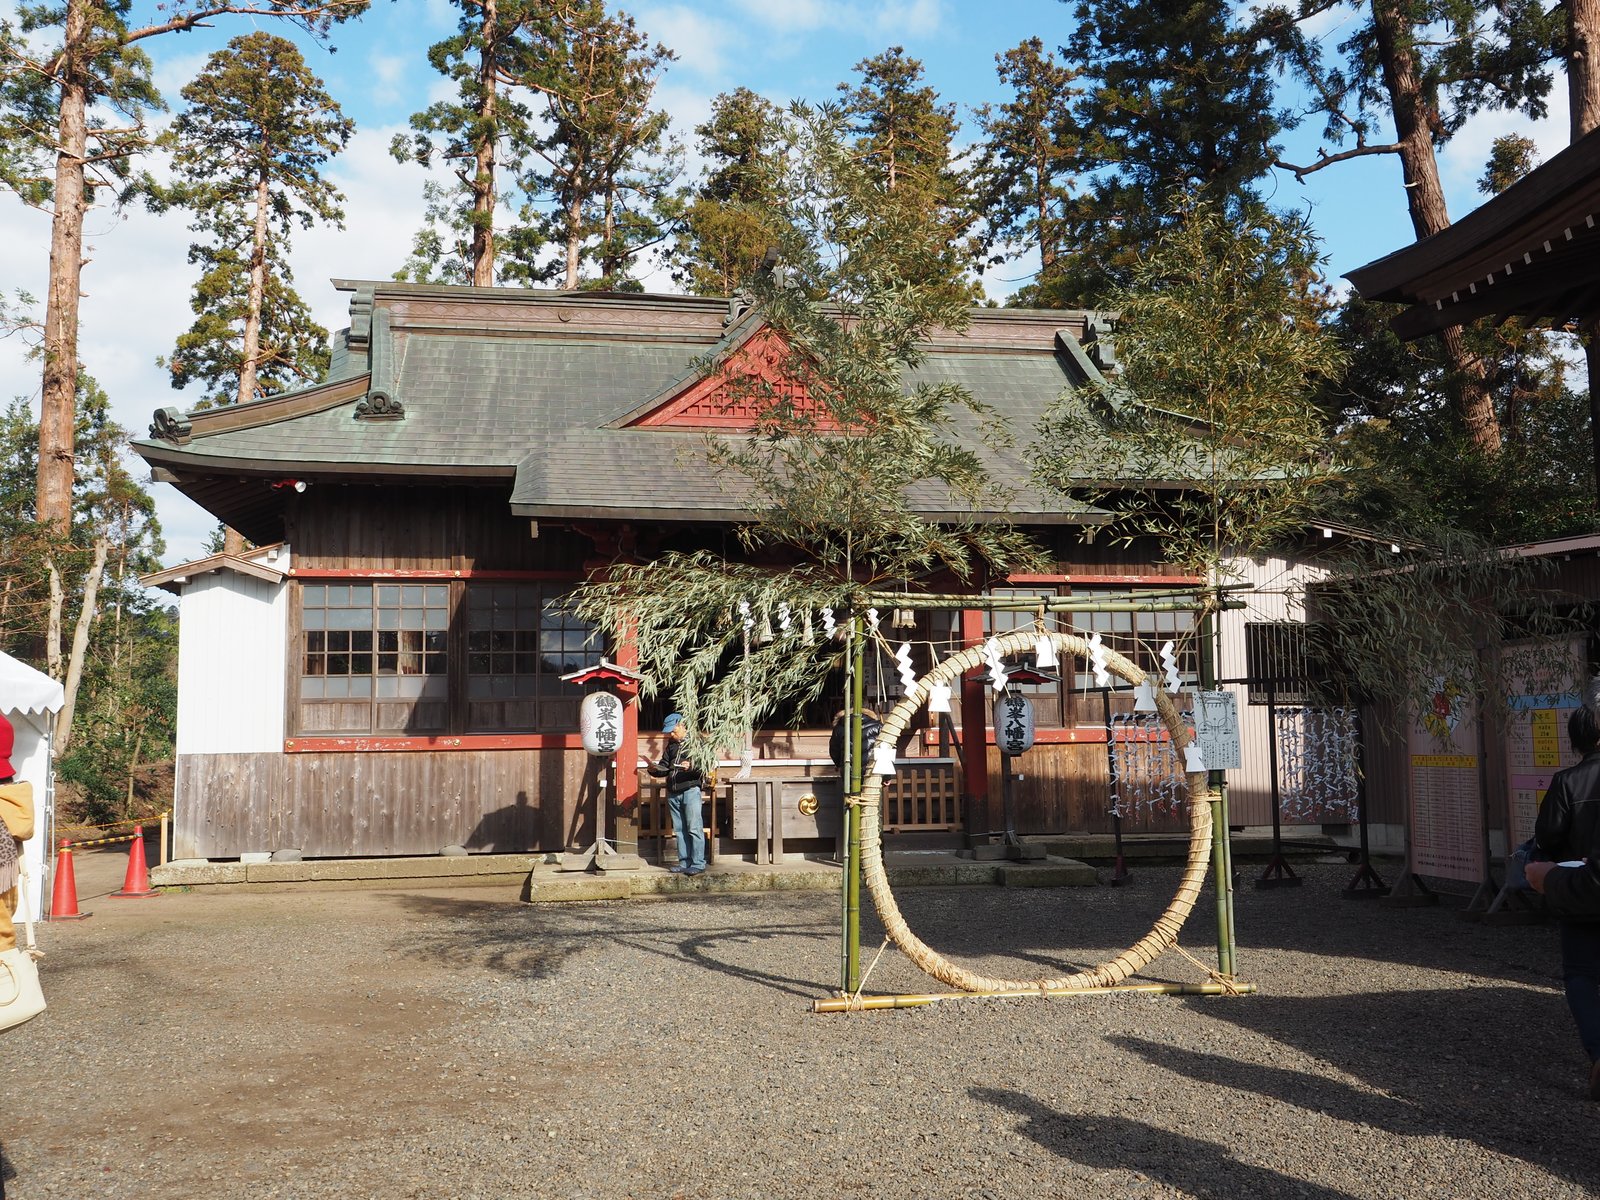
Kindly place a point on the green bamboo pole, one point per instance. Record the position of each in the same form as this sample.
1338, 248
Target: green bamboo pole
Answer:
852, 925
1221, 847
915, 1000
1132, 602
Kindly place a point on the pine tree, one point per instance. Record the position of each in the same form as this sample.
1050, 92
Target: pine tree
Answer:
1177, 99
248, 154
1029, 163
483, 135
1422, 68
606, 158
74, 120
727, 224
904, 136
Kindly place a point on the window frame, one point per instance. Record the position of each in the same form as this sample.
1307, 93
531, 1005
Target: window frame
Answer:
450, 649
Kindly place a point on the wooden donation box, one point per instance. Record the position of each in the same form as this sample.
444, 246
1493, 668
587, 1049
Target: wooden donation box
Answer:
772, 811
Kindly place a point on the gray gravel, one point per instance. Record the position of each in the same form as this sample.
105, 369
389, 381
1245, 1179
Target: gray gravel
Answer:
457, 1044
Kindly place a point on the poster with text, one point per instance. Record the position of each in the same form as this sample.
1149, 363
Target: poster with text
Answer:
1543, 683
1446, 792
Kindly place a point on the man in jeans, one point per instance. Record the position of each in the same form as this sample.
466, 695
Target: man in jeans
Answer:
683, 798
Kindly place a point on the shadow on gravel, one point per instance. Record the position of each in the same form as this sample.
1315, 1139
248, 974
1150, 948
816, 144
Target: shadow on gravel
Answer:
1194, 1167
7, 1172
1492, 1065
537, 944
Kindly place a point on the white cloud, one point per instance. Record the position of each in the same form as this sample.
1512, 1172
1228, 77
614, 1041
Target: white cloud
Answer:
388, 74
897, 18
911, 18
702, 43
1463, 158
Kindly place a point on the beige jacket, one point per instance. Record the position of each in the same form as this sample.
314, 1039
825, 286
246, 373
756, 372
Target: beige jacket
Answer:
16, 814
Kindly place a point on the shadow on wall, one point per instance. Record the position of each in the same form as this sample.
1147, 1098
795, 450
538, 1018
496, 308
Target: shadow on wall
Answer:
510, 830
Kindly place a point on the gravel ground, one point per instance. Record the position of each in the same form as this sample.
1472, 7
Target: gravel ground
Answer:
457, 1044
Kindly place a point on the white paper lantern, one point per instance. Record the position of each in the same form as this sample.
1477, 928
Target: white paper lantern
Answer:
1013, 724
600, 723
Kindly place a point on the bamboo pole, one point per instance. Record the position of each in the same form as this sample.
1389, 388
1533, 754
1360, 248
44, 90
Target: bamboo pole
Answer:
915, 1000
858, 694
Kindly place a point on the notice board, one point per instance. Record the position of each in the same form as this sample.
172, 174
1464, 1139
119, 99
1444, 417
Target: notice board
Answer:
1544, 692
1446, 791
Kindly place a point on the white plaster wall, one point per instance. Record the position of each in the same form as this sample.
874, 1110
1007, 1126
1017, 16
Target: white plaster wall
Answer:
1275, 587
231, 646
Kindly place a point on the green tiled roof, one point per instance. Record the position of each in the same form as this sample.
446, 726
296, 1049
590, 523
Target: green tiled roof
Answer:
522, 384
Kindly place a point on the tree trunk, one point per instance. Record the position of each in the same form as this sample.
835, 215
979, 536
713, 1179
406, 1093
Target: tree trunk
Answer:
574, 238
483, 177
1583, 65
59, 390
1413, 122
52, 637
232, 541
80, 644
250, 355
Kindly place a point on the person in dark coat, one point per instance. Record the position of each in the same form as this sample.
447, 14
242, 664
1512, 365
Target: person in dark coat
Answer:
1568, 832
683, 798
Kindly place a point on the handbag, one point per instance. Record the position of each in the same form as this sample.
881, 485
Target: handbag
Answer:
21, 998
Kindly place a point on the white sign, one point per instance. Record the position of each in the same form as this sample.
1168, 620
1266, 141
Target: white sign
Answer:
1216, 728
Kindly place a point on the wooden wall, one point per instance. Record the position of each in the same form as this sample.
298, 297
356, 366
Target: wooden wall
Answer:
375, 804
386, 528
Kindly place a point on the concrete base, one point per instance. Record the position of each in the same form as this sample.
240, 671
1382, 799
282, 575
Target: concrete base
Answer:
540, 881
1055, 872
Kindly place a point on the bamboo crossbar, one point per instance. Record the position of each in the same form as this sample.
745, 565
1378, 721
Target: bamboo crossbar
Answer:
920, 1000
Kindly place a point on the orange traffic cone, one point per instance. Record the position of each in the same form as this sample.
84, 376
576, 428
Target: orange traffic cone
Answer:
136, 884
64, 895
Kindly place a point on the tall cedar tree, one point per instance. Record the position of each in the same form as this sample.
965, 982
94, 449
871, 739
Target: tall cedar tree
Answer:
1409, 466
726, 225
903, 136
73, 120
248, 154
606, 158
485, 131
1029, 163
1583, 102
1423, 67
1176, 98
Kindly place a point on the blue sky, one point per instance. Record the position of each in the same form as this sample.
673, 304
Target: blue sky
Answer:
137, 286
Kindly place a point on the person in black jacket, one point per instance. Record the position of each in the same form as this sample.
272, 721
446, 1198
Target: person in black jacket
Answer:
683, 798
1568, 831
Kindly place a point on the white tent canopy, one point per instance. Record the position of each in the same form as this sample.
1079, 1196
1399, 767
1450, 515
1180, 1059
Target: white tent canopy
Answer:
29, 699
24, 690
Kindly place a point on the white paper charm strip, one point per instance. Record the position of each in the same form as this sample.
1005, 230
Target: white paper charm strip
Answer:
997, 669
828, 625
806, 632
882, 759
908, 673
872, 619
1169, 661
783, 617
939, 698
1097, 661
745, 618
1194, 758
1044, 652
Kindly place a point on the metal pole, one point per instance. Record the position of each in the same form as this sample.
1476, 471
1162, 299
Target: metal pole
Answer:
1366, 883
1278, 872
1119, 873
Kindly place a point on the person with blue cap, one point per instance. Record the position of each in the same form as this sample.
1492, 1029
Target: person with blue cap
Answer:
683, 798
